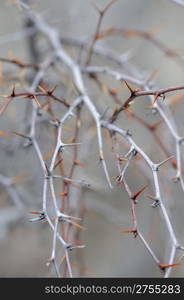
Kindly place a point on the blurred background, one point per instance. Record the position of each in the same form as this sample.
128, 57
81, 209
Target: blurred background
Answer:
25, 247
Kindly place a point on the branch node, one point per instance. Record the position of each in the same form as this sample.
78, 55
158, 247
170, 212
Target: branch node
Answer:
156, 203
180, 140
176, 179
61, 148
128, 133
155, 167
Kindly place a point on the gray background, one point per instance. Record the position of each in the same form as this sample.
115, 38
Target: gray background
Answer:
25, 247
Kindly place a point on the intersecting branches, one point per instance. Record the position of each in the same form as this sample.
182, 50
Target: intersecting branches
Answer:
144, 90
78, 81
133, 198
134, 93
132, 33
60, 219
158, 197
49, 183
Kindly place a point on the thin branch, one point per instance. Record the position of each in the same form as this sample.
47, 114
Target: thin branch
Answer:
102, 13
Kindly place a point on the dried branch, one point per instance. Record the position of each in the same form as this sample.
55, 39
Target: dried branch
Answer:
101, 12
60, 217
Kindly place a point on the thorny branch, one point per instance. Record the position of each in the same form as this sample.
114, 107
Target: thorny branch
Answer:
144, 87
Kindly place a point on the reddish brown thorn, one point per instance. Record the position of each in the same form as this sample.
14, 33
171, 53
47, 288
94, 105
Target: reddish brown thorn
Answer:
63, 259
67, 182
78, 225
41, 216
58, 163
50, 92
76, 244
45, 106
152, 75
93, 76
113, 92
74, 218
150, 197
35, 212
132, 91
36, 101
122, 159
41, 88
13, 92
155, 99
155, 125
20, 134
165, 266
65, 193
128, 110
5, 105
101, 155
134, 231
137, 194
165, 160
174, 163
19, 63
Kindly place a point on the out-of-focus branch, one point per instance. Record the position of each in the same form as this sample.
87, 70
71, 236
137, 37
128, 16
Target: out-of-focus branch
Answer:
33, 48
179, 2
102, 13
61, 54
